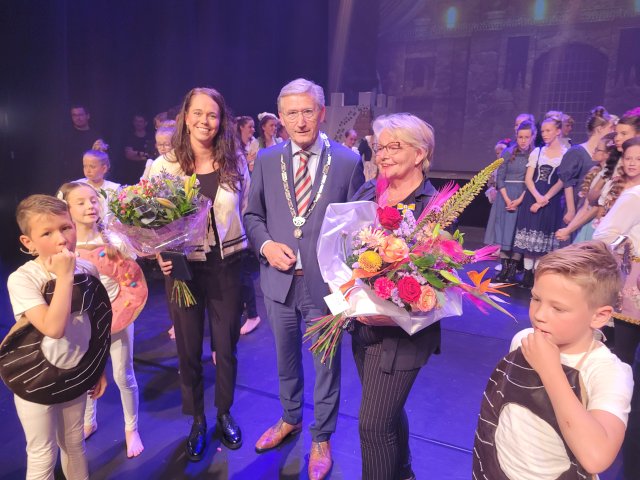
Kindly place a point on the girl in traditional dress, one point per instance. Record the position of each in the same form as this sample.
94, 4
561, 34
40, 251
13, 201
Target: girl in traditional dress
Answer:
540, 214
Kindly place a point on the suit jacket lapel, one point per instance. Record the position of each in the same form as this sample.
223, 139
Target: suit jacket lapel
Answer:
318, 179
288, 163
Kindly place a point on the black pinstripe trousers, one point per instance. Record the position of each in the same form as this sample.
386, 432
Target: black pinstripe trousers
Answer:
383, 424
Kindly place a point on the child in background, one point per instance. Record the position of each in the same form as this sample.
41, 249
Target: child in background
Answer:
511, 188
83, 205
96, 165
245, 128
49, 234
167, 160
540, 214
584, 223
627, 127
578, 160
491, 193
557, 405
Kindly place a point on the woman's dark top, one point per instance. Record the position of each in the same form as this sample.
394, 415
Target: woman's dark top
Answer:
400, 351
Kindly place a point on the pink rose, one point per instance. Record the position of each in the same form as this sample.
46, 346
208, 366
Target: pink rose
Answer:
393, 249
427, 300
389, 217
409, 289
383, 287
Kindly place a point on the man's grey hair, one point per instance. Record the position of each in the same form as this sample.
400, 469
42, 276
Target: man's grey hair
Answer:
301, 86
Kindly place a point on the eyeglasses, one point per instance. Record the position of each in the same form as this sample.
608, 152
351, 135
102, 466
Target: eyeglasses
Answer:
392, 148
293, 115
163, 145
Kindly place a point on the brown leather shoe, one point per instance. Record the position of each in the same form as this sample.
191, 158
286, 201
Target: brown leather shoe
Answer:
320, 461
275, 435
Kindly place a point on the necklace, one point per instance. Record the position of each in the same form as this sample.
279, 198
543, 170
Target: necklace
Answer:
299, 221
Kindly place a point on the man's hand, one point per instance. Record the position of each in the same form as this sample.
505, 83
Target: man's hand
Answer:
541, 353
279, 255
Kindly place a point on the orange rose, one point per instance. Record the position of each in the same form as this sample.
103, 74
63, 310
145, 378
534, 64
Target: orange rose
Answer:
393, 249
427, 300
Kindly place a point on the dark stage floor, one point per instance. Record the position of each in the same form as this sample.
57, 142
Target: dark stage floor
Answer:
442, 408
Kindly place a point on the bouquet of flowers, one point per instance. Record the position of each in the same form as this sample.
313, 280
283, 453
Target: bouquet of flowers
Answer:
164, 213
382, 263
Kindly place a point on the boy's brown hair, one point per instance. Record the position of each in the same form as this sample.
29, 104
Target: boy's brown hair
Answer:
38, 205
590, 265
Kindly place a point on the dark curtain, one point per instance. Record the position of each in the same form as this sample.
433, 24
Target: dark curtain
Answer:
361, 47
120, 57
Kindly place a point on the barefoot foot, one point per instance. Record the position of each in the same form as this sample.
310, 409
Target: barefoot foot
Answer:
250, 325
90, 430
134, 444
172, 333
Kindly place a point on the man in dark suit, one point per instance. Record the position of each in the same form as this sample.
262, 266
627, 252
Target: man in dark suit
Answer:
291, 186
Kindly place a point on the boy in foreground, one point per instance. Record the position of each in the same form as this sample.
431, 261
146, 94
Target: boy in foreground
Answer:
557, 405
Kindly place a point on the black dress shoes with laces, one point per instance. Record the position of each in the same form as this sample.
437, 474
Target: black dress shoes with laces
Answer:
197, 441
230, 433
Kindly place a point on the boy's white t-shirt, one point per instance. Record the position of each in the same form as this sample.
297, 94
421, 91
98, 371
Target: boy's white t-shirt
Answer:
25, 287
528, 448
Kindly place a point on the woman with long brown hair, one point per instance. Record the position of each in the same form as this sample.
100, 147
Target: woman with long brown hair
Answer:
205, 144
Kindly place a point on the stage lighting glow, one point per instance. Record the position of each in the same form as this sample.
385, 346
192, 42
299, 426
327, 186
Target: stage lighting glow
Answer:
451, 17
539, 9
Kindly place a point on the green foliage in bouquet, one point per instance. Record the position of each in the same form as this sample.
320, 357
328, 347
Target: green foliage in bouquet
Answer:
155, 202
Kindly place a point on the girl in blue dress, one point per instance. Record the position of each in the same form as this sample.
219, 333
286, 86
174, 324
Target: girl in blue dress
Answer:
511, 189
540, 214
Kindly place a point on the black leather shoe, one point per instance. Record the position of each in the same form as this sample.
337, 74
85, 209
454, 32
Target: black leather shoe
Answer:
231, 436
197, 441
504, 262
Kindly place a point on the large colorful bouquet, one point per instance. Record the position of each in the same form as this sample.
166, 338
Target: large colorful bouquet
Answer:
384, 264
164, 213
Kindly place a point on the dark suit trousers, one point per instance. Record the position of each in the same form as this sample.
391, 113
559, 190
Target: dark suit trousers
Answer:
216, 287
285, 319
383, 424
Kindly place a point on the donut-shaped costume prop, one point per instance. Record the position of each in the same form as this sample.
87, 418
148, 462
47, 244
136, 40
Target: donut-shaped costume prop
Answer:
24, 368
133, 286
514, 381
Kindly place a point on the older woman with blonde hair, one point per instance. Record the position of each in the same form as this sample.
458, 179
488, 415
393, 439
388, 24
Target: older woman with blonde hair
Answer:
387, 358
